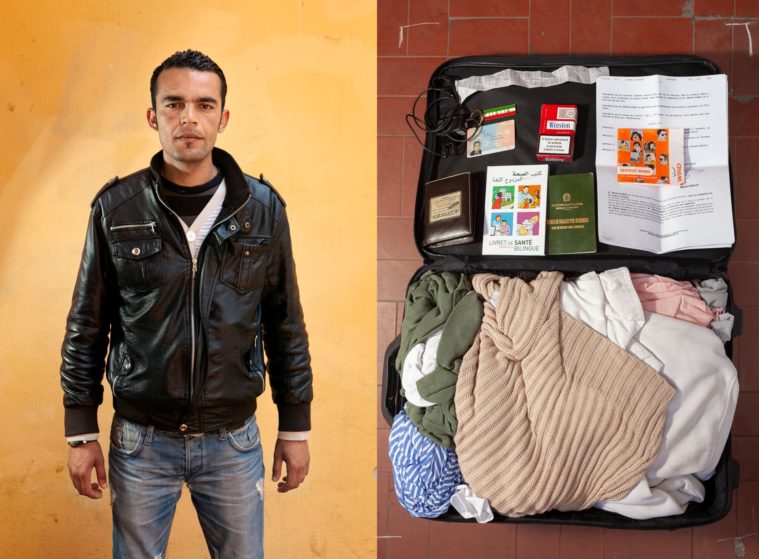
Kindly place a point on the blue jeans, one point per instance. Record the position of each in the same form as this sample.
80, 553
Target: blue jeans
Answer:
225, 475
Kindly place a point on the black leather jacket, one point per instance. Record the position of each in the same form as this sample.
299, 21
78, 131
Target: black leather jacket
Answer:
183, 337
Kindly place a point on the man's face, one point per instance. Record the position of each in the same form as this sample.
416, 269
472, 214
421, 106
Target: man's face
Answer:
188, 114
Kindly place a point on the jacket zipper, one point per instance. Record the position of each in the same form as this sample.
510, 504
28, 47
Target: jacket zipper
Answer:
194, 273
150, 226
195, 269
192, 325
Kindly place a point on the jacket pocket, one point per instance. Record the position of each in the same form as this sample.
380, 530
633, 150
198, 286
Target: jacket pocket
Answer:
138, 262
244, 264
120, 370
254, 358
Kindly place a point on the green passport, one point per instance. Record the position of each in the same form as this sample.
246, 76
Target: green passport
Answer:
571, 221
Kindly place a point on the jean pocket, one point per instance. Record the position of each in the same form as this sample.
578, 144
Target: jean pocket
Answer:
246, 438
126, 437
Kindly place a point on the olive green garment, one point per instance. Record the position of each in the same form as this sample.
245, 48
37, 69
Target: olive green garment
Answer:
440, 300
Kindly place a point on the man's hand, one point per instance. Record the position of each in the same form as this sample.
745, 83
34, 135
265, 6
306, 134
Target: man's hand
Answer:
296, 457
82, 460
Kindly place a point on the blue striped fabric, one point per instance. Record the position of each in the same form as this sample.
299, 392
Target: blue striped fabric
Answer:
425, 473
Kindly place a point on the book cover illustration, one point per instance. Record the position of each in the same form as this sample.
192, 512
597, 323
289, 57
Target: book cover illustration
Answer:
650, 156
515, 210
571, 218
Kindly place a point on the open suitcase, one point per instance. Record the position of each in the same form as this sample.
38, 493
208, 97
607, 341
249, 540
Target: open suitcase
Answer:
439, 160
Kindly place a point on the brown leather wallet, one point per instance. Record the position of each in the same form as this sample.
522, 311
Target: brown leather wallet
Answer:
448, 212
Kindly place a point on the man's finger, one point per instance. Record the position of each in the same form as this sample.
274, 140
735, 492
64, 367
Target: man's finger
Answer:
293, 479
75, 481
100, 470
88, 488
276, 469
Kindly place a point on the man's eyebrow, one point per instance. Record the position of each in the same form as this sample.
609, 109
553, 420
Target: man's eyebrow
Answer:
175, 98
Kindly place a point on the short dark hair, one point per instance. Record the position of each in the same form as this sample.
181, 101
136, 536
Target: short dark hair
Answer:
194, 60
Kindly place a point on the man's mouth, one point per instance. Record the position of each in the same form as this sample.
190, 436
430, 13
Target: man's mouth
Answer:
188, 136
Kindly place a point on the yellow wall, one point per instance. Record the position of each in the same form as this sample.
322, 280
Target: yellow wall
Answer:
74, 81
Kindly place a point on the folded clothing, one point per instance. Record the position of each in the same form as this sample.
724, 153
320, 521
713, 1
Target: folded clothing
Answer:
425, 474
693, 360
551, 415
678, 299
420, 361
445, 303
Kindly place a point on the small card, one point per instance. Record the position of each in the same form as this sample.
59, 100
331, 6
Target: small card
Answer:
515, 210
650, 156
491, 138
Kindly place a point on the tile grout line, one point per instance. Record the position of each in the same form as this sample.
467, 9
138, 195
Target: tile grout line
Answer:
403, 174
448, 32
467, 18
529, 27
611, 28
408, 22
569, 46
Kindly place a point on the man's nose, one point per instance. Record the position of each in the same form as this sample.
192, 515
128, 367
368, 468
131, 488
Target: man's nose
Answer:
188, 114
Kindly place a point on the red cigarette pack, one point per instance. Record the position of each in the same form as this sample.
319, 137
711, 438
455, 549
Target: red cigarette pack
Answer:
558, 124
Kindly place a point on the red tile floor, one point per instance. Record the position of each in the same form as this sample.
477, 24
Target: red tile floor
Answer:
451, 28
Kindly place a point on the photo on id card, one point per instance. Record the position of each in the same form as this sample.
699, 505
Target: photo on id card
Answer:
490, 138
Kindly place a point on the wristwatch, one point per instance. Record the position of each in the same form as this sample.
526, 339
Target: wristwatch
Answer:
75, 444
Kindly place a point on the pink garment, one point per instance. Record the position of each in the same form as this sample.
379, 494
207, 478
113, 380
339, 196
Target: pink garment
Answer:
678, 299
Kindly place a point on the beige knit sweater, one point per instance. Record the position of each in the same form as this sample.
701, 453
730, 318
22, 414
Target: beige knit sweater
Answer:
552, 415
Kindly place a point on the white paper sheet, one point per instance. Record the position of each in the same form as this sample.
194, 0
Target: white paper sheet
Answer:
650, 217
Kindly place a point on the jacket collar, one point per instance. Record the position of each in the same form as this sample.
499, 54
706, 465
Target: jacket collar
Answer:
237, 186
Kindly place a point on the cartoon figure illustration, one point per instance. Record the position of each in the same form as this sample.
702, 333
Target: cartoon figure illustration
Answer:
661, 134
636, 153
663, 159
501, 224
650, 146
649, 158
503, 198
663, 180
527, 224
498, 202
624, 145
636, 136
529, 196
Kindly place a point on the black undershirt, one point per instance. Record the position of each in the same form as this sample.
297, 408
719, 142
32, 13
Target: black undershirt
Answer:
188, 201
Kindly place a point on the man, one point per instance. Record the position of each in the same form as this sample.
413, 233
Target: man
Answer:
187, 273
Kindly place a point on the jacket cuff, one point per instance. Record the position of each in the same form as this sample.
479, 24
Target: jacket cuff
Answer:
294, 417
80, 420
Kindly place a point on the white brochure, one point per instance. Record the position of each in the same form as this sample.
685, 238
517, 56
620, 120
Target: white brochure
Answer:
658, 218
515, 210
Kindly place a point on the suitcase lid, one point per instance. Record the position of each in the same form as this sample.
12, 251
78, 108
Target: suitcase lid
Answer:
467, 257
